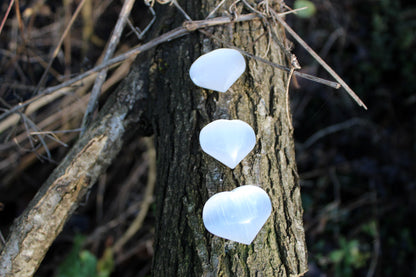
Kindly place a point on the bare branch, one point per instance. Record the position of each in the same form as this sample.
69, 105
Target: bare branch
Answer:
34, 231
58, 46
168, 36
319, 59
6, 15
148, 199
99, 81
279, 66
332, 129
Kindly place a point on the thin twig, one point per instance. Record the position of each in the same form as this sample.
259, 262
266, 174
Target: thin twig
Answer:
117, 75
148, 198
6, 15
318, 59
181, 10
215, 9
67, 40
58, 46
51, 135
269, 41
297, 73
51, 122
72, 110
3, 241
115, 38
252, 9
289, 121
43, 100
330, 130
144, 244
27, 131
119, 220
42, 141
292, 11
139, 33
135, 30
57, 132
187, 28
281, 67
19, 20
199, 24
102, 180
277, 16
376, 245
138, 171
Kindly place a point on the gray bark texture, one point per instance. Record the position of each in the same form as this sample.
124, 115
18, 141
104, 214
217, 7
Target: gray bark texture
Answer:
187, 177
158, 97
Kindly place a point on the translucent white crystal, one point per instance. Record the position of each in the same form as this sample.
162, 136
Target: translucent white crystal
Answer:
237, 215
228, 141
218, 69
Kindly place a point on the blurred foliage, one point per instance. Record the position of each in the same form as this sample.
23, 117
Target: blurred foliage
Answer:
310, 11
392, 33
82, 263
343, 260
348, 257
359, 184
105, 265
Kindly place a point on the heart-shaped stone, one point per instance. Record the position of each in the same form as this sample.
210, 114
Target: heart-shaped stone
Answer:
228, 141
237, 215
218, 69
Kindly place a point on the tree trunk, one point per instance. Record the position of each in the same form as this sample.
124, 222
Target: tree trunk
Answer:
162, 98
187, 177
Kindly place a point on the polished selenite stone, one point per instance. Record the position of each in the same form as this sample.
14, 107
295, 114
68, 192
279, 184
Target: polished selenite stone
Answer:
228, 141
237, 215
218, 69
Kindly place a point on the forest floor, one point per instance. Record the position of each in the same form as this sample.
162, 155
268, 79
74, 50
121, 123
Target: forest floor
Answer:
357, 167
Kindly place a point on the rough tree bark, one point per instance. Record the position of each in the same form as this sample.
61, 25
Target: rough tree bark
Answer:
158, 97
187, 177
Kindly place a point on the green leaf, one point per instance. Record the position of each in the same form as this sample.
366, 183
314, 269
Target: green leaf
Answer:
80, 263
336, 256
88, 264
306, 13
370, 228
106, 264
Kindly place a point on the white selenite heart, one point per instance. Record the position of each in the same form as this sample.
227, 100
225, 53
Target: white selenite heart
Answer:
218, 69
237, 215
228, 141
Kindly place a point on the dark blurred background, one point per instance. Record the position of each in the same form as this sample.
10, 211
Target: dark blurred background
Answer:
357, 166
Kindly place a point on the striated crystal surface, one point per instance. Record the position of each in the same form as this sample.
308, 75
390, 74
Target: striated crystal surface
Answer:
228, 141
237, 215
218, 69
